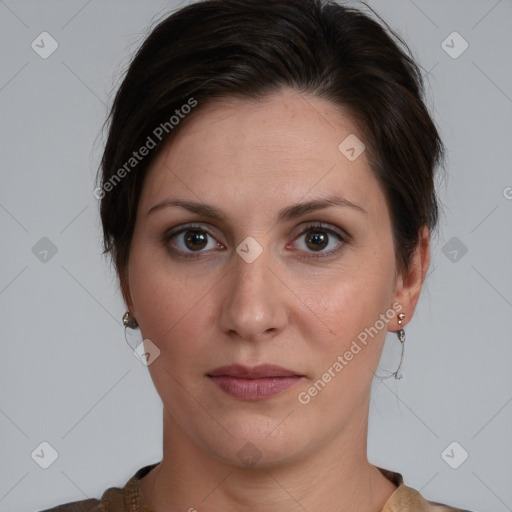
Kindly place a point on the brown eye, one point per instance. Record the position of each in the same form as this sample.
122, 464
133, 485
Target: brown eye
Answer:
195, 239
190, 241
317, 239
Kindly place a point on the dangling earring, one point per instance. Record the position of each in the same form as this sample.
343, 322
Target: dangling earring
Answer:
401, 336
129, 322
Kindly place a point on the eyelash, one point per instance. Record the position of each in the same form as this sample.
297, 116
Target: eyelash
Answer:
344, 239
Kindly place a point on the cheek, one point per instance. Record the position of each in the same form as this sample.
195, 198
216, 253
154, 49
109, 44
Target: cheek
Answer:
352, 298
167, 302
351, 305
351, 315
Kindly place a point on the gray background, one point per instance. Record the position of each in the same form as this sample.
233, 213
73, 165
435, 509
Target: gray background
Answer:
67, 375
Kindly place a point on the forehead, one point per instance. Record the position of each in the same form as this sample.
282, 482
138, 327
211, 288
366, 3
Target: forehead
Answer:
283, 146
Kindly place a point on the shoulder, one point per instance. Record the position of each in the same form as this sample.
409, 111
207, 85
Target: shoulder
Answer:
114, 499
407, 499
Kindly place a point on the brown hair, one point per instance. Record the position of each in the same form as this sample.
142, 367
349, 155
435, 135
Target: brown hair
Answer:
250, 48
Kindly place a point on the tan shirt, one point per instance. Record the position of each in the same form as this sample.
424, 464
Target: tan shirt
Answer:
131, 499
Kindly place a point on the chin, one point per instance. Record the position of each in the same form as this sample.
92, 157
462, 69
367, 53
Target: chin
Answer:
258, 442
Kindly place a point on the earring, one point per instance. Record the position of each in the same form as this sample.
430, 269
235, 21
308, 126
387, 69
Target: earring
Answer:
401, 337
129, 322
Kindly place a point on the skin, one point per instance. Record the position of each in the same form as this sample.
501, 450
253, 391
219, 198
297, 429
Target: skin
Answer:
251, 159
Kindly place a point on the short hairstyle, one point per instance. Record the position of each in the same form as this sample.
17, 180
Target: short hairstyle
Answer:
251, 48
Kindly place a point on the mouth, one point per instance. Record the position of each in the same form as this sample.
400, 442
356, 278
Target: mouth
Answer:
254, 383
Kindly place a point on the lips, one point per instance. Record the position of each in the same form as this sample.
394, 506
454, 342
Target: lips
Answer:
254, 383
256, 372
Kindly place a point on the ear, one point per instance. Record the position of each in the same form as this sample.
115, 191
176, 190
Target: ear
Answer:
409, 285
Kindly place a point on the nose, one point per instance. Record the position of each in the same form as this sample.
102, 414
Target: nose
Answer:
255, 306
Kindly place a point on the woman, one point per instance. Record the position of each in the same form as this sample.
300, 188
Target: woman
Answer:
267, 197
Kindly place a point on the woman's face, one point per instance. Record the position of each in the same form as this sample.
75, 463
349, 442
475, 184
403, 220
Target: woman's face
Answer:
260, 269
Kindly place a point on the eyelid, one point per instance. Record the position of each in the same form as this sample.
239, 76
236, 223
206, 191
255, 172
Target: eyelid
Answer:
325, 226
183, 227
308, 225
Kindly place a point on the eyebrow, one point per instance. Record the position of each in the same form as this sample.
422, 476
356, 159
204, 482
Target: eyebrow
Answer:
290, 212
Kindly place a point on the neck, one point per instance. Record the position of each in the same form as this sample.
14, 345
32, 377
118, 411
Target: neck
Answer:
335, 478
